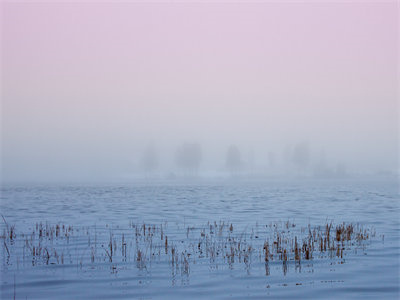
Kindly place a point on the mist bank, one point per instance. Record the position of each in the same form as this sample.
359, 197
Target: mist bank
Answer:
193, 161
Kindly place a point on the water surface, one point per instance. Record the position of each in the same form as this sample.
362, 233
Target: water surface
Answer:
369, 270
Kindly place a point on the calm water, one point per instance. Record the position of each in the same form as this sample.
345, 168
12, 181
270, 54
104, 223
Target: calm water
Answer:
369, 270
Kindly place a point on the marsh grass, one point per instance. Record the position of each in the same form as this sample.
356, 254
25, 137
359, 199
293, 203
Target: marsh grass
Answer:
216, 243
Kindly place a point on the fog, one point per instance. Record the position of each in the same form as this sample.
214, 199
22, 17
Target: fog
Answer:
127, 91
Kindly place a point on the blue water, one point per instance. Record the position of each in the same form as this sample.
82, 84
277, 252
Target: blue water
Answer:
369, 270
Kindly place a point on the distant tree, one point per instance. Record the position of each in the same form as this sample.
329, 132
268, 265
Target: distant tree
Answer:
233, 159
188, 158
149, 162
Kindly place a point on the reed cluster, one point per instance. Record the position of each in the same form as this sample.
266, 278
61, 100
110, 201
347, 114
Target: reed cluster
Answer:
217, 243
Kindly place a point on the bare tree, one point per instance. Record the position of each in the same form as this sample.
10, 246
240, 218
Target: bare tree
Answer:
233, 159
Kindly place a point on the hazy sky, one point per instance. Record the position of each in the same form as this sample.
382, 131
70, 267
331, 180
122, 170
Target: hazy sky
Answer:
85, 87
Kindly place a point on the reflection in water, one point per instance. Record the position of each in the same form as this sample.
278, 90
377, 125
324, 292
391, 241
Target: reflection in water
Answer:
267, 269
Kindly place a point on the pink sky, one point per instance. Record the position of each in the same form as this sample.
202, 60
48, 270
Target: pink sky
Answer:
88, 79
